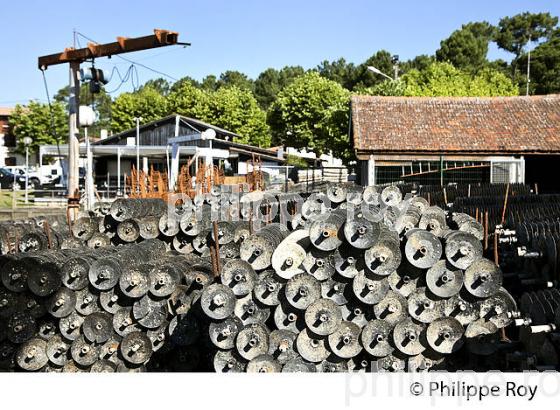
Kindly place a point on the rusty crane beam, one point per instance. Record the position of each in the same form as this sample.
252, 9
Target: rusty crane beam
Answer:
160, 38
74, 57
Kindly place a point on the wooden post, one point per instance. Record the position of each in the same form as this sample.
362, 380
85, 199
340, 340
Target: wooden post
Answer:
496, 258
47, 229
505, 205
215, 252
486, 230
251, 228
445, 196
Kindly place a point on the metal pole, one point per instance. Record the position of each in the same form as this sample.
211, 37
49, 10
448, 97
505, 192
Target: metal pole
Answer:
26, 173
73, 144
118, 171
211, 161
89, 173
528, 71
167, 158
137, 152
441, 170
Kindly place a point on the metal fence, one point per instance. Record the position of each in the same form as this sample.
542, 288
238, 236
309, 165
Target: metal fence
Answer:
446, 172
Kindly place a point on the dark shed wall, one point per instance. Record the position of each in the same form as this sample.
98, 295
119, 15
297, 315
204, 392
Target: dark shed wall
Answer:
543, 170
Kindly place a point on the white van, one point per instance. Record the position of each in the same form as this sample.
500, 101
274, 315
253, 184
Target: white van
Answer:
38, 176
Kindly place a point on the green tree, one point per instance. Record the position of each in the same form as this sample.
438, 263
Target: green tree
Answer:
229, 107
161, 85
209, 83
178, 84
386, 88
237, 110
420, 62
499, 65
467, 48
545, 66
271, 81
492, 83
190, 101
443, 79
35, 120
146, 103
235, 78
312, 112
515, 33
381, 60
340, 71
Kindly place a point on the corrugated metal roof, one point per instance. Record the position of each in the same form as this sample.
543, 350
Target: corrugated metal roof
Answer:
166, 120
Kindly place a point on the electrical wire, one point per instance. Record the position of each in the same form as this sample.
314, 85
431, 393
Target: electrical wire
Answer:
123, 79
131, 61
130, 74
137, 86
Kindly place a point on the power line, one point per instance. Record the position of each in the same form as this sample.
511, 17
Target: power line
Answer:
123, 79
131, 61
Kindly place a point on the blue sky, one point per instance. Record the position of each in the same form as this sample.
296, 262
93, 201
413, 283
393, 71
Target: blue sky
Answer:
248, 36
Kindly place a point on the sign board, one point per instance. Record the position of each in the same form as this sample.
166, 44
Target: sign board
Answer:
208, 134
184, 138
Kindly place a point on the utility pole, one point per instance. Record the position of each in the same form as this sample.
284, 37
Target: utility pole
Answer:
75, 57
138, 119
27, 141
89, 173
528, 71
74, 132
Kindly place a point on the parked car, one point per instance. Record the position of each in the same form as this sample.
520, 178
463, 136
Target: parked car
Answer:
43, 175
34, 180
7, 180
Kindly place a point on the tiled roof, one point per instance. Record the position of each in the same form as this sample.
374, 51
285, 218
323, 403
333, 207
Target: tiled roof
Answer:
456, 124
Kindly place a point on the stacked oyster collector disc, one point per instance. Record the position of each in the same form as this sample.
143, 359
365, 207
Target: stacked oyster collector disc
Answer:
368, 280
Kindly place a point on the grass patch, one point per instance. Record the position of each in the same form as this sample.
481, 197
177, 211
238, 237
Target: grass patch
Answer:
6, 199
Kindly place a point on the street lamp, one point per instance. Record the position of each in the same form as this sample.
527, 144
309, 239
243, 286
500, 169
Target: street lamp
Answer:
378, 71
27, 142
138, 119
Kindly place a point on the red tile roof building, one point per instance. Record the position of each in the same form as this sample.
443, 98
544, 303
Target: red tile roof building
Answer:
496, 125
400, 130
